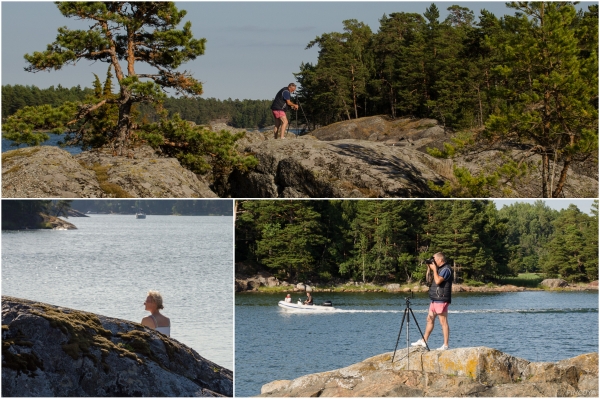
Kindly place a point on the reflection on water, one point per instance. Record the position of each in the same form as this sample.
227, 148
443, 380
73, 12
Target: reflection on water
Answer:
109, 263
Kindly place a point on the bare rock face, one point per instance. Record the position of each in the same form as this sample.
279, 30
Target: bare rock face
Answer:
379, 157
50, 172
403, 131
46, 172
306, 167
554, 283
53, 351
147, 177
476, 371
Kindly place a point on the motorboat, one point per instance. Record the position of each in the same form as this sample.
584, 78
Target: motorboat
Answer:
140, 215
299, 307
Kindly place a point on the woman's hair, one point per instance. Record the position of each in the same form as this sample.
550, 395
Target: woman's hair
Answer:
157, 298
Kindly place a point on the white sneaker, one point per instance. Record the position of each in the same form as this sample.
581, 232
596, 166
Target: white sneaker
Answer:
443, 348
420, 342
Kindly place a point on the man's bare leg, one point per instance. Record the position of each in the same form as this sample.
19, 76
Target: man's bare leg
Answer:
430, 325
445, 327
284, 123
277, 124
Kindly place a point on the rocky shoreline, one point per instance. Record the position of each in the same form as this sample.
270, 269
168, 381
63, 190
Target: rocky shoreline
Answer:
477, 371
37, 222
372, 157
54, 351
265, 282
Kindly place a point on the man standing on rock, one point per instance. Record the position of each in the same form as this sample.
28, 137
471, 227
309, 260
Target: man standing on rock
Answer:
440, 293
279, 106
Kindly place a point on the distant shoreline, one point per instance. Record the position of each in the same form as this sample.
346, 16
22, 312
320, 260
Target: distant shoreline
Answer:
458, 288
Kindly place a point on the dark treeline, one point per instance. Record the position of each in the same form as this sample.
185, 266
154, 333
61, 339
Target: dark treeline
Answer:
383, 241
238, 113
18, 213
18, 96
157, 207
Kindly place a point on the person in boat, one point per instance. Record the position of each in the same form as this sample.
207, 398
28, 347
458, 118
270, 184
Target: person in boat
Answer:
288, 298
156, 321
309, 299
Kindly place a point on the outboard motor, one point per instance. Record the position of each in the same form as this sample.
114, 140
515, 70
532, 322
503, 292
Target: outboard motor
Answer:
327, 303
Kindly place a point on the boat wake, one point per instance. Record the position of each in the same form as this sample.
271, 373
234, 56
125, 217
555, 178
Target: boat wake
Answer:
474, 311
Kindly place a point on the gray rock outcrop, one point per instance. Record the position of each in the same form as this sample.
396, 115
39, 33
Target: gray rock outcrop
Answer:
46, 172
554, 283
54, 351
148, 177
476, 371
50, 172
379, 157
309, 168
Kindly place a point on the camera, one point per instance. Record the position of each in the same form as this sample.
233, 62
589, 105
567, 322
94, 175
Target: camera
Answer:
429, 261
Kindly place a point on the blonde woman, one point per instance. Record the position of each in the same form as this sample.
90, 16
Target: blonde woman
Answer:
156, 321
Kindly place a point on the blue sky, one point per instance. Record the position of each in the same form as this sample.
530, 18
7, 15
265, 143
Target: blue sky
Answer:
253, 48
584, 205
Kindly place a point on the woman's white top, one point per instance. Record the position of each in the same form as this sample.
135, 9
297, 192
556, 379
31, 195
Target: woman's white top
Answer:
163, 330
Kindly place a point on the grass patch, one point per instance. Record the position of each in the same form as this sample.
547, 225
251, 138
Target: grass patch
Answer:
528, 280
111, 189
8, 156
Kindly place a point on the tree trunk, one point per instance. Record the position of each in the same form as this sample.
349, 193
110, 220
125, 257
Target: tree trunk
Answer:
124, 123
545, 170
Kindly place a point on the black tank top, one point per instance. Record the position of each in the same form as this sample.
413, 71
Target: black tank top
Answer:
279, 102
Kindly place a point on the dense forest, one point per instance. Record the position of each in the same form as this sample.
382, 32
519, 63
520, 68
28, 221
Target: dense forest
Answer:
157, 207
238, 113
382, 241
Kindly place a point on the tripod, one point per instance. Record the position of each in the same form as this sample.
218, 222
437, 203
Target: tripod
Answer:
407, 313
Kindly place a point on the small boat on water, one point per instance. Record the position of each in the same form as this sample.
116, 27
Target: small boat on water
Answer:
299, 307
140, 215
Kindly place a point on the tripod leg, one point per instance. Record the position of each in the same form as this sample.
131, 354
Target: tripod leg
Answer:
399, 332
417, 323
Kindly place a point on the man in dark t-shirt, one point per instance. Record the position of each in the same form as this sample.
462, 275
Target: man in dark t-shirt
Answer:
278, 107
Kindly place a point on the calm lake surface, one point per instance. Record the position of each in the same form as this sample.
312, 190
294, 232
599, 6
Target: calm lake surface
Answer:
274, 345
52, 141
108, 265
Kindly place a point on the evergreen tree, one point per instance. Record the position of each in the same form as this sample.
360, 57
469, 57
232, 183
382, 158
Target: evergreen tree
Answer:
128, 32
550, 89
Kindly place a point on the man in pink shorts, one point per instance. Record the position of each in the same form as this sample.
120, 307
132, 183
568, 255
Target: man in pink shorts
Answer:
440, 293
279, 106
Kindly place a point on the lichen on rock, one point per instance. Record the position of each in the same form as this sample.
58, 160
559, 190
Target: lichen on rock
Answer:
478, 371
54, 351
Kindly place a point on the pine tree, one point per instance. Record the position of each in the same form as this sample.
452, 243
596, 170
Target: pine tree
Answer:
128, 32
550, 89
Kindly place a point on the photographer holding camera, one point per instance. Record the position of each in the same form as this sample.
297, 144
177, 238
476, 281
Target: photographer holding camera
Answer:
439, 275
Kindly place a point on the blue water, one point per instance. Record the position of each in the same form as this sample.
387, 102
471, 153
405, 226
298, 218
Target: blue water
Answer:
53, 141
274, 345
108, 265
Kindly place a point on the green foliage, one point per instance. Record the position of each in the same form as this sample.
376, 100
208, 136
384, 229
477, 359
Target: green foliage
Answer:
131, 32
572, 251
529, 280
371, 241
197, 148
531, 79
460, 142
